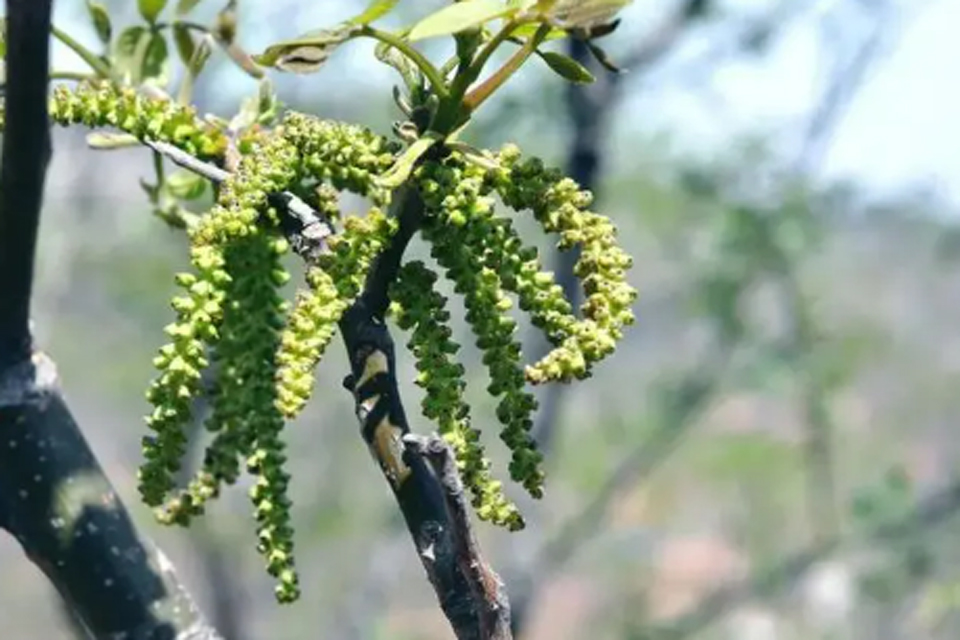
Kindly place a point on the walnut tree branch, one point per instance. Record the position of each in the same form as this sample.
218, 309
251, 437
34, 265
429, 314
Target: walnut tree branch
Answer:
488, 589
54, 497
383, 425
26, 154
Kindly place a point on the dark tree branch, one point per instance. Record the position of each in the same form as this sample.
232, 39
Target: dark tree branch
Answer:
488, 590
383, 425
26, 153
61, 508
373, 383
54, 497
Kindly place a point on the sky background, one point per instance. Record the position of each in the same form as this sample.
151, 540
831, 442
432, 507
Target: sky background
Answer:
900, 133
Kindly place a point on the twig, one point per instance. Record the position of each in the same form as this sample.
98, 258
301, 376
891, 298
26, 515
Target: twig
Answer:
383, 424
487, 588
305, 226
841, 90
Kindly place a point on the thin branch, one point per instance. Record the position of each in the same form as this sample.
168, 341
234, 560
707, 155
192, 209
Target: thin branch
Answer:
933, 511
843, 87
383, 425
488, 590
304, 225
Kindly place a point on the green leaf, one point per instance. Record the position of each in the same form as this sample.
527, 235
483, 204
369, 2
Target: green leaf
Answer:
3, 37
140, 54
389, 56
186, 6
185, 185
186, 47
403, 166
101, 20
150, 9
126, 50
155, 67
601, 56
374, 11
566, 67
307, 53
459, 17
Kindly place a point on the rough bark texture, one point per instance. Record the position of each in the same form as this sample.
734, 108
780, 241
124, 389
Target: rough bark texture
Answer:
59, 505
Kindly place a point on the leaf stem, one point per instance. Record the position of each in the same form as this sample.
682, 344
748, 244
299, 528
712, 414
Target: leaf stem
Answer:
476, 97
432, 74
93, 60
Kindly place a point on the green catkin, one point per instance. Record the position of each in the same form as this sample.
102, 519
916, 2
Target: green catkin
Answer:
457, 214
561, 207
101, 104
346, 156
230, 311
252, 316
417, 306
333, 285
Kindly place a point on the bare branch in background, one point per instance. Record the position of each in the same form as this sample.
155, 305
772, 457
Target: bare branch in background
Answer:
935, 510
845, 83
677, 416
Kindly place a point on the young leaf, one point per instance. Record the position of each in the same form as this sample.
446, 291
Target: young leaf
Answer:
566, 67
403, 166
186, 6
523, 32
184, 41
584, 14
101, 20
601, 56
305, 59
150, 9
185, 185
156, 61
309, 51
458, 17
126, 52
374, 11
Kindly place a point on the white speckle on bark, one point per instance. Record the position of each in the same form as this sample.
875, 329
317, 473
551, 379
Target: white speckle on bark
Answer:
92, 528
37, 478
23, 494
115, 551
58, 523
108, 582
12, 443
164, 562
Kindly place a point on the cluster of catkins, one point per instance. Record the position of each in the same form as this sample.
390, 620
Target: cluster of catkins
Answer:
253, 354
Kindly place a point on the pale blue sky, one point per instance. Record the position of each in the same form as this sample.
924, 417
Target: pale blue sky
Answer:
902, 130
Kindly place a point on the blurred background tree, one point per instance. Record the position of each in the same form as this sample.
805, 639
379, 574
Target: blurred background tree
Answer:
770, 453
